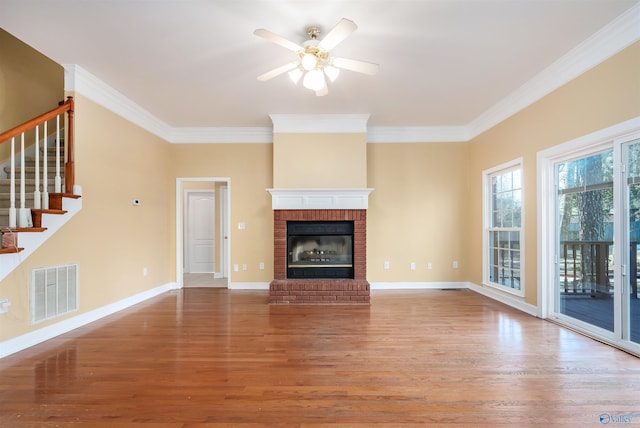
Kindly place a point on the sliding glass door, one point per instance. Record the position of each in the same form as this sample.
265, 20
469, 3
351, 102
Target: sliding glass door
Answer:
630, 311
590, 235
584, 209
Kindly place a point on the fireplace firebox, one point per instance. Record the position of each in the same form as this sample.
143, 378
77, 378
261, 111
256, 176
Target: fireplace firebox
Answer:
318, 249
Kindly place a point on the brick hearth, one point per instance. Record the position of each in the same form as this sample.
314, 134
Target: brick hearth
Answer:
320, 291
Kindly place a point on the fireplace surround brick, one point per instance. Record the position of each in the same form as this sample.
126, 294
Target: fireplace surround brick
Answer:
320, 291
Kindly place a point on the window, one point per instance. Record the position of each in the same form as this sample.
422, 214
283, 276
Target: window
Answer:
503, 225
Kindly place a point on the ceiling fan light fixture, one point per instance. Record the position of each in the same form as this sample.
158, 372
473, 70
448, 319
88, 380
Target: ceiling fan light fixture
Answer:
314, 57
314, 80
309, 61
295, 75
332, 72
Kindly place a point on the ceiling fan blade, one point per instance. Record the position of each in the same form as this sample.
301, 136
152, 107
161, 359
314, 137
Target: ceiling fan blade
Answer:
279, 40
355, 65
337, 34
277, 71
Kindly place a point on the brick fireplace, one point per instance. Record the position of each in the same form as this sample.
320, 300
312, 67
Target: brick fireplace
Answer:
320, 176
322, 206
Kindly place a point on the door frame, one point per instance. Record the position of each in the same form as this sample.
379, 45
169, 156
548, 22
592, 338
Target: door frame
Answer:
180, 222
224, 232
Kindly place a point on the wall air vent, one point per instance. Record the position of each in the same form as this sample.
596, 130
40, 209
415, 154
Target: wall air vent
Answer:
54, 292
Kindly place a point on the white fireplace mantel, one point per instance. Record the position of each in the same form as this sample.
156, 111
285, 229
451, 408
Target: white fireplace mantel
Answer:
320, 199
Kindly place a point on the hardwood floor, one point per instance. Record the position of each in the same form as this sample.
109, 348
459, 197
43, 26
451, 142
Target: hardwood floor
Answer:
217, 357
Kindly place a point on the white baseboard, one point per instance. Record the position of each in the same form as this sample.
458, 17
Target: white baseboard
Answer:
509, 300
416, 285
27, 340
248, 286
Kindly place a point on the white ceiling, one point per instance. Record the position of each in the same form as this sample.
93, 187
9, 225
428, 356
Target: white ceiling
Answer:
194, 63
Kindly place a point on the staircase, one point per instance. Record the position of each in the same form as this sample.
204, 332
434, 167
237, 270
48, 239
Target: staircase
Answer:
30, 182
36, 206
10, 241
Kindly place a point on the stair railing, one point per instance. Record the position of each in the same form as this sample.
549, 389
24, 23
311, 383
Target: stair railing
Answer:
20, 217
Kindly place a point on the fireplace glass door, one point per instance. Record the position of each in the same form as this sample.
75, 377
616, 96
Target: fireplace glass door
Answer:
320, 249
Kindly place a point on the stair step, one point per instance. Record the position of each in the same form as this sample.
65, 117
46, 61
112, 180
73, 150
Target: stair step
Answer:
31, 170
51, 164
29, 187
4, 216
10, 250
6, 198
22, 229
5, 184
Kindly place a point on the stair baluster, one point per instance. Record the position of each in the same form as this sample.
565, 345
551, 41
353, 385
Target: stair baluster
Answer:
22, 212
12, 186
58, 179
45, 179
36, 191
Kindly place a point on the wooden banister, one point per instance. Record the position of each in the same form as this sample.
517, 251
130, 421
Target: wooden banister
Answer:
65, 107
14, 132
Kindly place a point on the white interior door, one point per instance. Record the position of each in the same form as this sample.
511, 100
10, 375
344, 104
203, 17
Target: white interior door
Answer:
200, 232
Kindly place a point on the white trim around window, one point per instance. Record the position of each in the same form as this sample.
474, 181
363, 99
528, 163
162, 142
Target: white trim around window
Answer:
503, 259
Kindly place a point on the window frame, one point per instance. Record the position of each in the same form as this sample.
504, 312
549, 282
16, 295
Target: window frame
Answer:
488, 227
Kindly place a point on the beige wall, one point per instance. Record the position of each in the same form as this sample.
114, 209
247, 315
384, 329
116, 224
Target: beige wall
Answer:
249, 168
327, 160
417, 212
604, 96
110, 239
25, 74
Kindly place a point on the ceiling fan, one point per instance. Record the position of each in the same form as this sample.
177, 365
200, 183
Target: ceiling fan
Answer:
315, 60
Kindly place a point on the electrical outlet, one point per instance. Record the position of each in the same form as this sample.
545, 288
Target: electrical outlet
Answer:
261, 265
386, 265
145, 271
455, 264
4, 306
429, 265
236, 268
412, 266
244, 266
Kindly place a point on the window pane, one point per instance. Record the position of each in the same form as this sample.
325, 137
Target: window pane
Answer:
514, 237
517, 180
506, 215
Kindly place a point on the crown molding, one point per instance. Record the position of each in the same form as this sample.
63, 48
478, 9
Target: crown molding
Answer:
221, 135
608, 41
611, 39
319, 123
77, 79
417, 134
